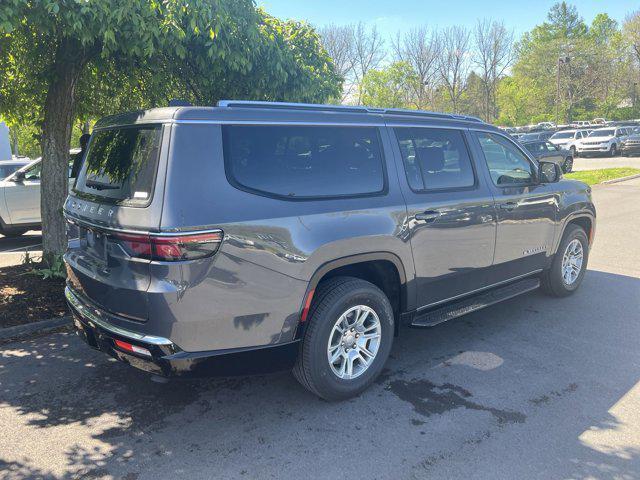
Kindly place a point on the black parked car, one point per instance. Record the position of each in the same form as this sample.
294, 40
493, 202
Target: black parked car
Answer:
258, 236
630, 145
549, 152
541, 135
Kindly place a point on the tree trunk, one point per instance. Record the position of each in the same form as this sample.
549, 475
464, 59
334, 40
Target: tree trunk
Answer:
56, 137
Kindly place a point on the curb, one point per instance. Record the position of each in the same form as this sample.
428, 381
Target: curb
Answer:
35, 327
622, 179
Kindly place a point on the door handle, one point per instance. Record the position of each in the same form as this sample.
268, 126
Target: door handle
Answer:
428, 216
508, 206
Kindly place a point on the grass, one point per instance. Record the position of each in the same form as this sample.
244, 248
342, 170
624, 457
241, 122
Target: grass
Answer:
591, 177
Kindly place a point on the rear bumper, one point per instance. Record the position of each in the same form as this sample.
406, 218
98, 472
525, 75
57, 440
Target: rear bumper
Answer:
166, 358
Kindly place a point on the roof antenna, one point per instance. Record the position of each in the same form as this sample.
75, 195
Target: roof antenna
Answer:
177, 102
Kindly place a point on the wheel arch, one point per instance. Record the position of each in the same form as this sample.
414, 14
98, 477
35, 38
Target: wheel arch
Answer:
584, 220
384, 269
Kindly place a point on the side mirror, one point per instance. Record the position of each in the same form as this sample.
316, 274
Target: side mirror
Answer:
549, 172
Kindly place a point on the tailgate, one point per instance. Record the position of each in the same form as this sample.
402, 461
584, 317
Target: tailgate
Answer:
101, 270
119, 189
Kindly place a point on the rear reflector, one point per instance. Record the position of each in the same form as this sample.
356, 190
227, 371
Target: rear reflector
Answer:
307, 306
169, 248
129, 347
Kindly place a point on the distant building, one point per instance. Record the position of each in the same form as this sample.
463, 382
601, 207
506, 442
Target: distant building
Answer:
5, 145
625, 103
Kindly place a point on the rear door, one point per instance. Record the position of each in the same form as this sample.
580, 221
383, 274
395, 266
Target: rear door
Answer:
115, 196
527, 210
451, 212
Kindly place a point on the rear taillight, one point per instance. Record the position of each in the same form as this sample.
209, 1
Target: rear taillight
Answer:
130, 347
169, 247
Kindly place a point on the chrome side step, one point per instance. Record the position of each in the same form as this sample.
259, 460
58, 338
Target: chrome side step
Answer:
474, 303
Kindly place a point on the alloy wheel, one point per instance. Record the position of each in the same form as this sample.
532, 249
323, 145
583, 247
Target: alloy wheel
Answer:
572, 260
354, 342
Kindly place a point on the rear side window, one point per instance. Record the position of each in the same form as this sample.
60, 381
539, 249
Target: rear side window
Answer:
121, 164
304, 161
435, 159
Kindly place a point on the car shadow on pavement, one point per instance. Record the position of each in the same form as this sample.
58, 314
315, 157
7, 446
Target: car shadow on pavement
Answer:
31, 241
532, 384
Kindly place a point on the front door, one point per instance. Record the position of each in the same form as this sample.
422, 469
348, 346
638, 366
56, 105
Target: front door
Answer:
527, 209
451, 212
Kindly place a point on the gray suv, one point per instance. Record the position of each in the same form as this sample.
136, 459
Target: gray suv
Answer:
256, 236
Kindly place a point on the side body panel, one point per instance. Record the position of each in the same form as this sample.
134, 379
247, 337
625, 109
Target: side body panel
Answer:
251, 293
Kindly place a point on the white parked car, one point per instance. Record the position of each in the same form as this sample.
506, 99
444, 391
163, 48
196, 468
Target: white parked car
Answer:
20, 199
603, 141
581, 124
568, 139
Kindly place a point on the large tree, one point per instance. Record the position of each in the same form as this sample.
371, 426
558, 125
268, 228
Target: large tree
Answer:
61, 59
565, 60
454, 64
493, 56
420, 48
389, 87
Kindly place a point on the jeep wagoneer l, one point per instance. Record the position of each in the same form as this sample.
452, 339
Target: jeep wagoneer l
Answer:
254, 236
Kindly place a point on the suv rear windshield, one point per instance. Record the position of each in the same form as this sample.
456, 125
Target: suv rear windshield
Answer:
304, 161
120, 165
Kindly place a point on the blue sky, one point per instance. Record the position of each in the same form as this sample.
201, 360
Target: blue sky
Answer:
393, 15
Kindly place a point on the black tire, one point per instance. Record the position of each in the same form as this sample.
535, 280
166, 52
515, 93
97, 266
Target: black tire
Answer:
551, 279
568, 165
334, 297
613, 151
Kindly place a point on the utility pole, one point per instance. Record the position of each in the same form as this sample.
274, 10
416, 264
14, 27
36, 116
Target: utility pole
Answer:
558, 91
561, 61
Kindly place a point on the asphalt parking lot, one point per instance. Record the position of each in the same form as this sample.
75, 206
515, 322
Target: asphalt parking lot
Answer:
534, 388
593, 163
31, 241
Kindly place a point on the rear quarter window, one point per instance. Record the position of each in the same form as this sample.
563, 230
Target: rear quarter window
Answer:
302, 162
120, 165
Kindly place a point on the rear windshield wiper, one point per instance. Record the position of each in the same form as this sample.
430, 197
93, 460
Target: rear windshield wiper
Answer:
100, 186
